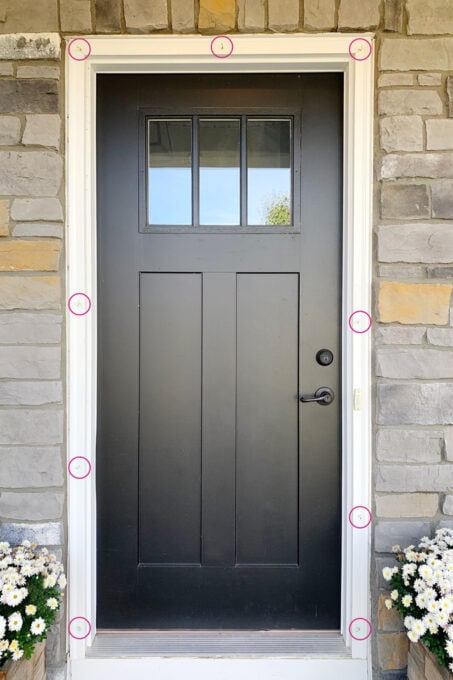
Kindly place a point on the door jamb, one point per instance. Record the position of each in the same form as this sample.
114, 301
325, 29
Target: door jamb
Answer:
191, 54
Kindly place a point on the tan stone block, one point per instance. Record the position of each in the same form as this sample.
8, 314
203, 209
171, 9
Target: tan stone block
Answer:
143, 16
411, 303
388, 619
251, 15
283, 15
428, 17
358, 14
439, 134
29, 255
392, 650
217, 15
4, 218
319, 14
426, 54
75, 15
407, 505
29, 292
29, 16
182, 16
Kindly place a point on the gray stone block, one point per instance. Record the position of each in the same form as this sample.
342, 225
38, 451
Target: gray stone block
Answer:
397, 335
449, 88
30, 292
358, 14
30, 467
50, 533
48, 230
30, 362
30, 45
108, 16
432, 165
411, 478
29, 209
251, 14
53, 645
142, 16
440, 272
429, 17
25, 393
426, 54
319, 15
6, 69
41, 72
393, 79
415, 404
388, 534
393, 12
36, 506
395, 272
283, 15
442, 196
75, 16
28, 96
32, 173
29, 427
402, 201
425, 364
408, 102
401, 133
409, 446
447, 506
42, 129
183, 15
440, 336
30, 328
415, 243
57, 673
9, 130
430, 79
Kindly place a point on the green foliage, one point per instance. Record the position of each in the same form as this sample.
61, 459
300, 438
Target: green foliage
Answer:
278, 210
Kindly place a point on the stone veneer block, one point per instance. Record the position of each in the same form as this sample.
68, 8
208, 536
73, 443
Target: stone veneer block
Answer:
29, 16
283, 15
32, 173
29, 393
30, 362
442, 196
30, 45
409, 446
29, 209
401, 271
449, 88
4, 217
394, 79
31, 427
42, 130
440, 272
251, 15
401, 133
388, 534
30, 329
143, 16
108, 16
217, 15
29, 255
9, 130
6, 69
439, 134
29, 292
407, 505
41, 72
393, 13
443, 337
415, 404
50, 533
422, 102
430, 79
75, 15
447, 507
28, 96
429, 17
392, 650
400, 335
37, 466
412, 478
423, 364
40, 229
416, 242
388, 619
31, 506
183, 16
358, 14
412, 303
427, 54
403, 201
411, 165
319, 15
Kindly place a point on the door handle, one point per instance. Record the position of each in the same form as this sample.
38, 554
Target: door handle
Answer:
323, 396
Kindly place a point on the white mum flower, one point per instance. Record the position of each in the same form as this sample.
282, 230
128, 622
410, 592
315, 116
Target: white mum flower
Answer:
4, 644
2, 627
446, 603
408, 621
425, 571
387, 573
52, 603
394, 595
412, 635
15, 597
30, 610
450, 632
418, 585
450, 666
13, 645
419, 627
441, 618
407, 600
50, 581
421, 600
15, 621
18, 654
432, 606
449, 648
38, 626
62, 581
388, 604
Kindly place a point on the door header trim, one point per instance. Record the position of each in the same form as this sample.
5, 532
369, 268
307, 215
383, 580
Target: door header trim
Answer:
192, 54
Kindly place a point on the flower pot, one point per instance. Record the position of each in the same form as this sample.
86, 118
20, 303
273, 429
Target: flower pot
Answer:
423, 665
34, 669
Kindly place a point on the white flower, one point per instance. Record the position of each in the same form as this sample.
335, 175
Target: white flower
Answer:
408, 621
13, 645
50, 581
450, 632
412, 635
394, 595
4, 644
419, 627
441, 618
16, 596
418, 585
421, 601
407, 600
15, 621
450, 666
18, 654
425, 571
52, 603
62, 581
30, 610
388, 604
387, 573
38, 626
449, 648
432, 606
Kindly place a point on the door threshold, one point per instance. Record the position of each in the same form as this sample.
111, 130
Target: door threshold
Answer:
185, 643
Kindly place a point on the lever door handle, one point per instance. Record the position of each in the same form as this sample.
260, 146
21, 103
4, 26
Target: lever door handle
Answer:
323, 396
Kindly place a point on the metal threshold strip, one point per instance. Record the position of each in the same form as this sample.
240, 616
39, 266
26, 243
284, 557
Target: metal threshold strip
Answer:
313, 644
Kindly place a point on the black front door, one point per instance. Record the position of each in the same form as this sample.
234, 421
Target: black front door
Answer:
219, 252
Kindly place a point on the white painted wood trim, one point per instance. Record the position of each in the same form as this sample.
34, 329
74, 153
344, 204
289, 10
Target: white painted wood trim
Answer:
191, 54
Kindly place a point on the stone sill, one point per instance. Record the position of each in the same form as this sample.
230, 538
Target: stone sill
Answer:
423, 665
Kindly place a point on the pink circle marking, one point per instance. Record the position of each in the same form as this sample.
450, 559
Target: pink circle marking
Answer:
79, 618
360, 526
79, 458
79, 313
361, 40
359, 311
221, 56
366, 636
79, 40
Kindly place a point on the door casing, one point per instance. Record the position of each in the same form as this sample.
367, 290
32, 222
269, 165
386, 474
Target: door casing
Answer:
192, 54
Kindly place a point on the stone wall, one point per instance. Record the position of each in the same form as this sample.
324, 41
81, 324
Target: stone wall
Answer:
413, 329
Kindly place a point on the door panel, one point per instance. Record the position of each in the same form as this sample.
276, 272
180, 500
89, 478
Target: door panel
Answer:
217, 490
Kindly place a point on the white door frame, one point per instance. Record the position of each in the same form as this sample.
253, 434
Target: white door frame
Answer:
192, 54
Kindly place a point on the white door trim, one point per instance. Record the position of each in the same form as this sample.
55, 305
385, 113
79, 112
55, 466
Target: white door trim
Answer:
192, 54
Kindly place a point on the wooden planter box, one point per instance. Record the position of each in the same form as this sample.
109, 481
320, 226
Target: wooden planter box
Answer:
423, 665
34, 669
